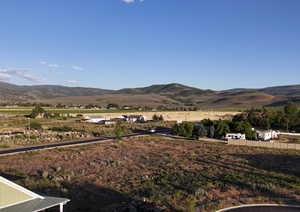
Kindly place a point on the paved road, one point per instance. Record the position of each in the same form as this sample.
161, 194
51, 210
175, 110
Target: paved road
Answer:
66, 144
265, 209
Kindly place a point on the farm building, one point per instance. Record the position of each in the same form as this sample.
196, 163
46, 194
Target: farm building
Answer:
94, 119
266, 135
237, 136
108, 122
15, 198
134, 118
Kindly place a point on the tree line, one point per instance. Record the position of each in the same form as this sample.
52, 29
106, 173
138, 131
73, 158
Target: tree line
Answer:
284, 119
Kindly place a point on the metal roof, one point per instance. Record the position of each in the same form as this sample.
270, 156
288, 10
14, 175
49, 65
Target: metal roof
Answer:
36, 205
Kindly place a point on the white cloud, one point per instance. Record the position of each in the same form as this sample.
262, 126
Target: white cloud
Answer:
132, 1
128, 1
77, 68
50, 65
4, 77
71, 81
53, 66
6, 74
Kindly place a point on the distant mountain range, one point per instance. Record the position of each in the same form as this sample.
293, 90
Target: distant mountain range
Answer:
174, 95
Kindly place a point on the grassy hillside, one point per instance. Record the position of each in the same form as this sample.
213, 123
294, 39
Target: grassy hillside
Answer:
170, 95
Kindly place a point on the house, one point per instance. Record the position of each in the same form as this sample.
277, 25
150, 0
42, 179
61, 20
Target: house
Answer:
94, 119
108, 122
266, 135
15, 198
235, 136
127, 107
134, 118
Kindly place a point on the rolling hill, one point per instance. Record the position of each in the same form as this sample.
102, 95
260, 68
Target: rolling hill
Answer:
11, 92
173, 95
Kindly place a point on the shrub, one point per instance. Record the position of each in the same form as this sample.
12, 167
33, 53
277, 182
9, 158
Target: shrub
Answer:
61, 129
119, 131
35, 125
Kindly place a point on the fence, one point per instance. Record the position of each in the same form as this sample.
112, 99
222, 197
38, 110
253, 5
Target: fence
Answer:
264, 144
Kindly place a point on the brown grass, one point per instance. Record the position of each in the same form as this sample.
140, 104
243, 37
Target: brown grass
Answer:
170, 175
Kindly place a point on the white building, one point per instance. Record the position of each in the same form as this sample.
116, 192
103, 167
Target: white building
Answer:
235, 136
134, 118
95, 119
266, 135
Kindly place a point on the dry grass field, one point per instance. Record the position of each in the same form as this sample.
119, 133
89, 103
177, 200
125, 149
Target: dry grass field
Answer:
150, 100
183, 115
157, 174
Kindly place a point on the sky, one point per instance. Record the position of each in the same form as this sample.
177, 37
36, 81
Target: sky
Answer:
113, 44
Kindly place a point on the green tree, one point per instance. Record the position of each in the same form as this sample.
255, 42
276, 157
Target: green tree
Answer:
245, 128
201, 131
37, 110
112, 105
291, 109
291, 112
161, 118
119, 131
175, 129
221, 129
155, 117
184, 129
211, 131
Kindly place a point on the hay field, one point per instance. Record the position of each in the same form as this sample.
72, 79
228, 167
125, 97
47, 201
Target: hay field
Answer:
176, 115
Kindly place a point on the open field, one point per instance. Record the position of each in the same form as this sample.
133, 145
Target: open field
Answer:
157, 174
293, 139
62, 111
175, 115
168, 115
68, 130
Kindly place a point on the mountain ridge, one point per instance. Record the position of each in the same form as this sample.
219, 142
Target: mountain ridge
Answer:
166, 94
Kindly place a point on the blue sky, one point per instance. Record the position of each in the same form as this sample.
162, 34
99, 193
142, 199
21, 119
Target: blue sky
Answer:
215, 44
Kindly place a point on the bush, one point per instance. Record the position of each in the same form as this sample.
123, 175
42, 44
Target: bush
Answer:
61, 129
119, 131
35, 125
157, 117
184, 129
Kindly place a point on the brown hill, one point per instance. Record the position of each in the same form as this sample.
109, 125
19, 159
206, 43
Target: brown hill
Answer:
172, 95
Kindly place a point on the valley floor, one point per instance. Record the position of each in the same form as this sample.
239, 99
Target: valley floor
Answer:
157, 174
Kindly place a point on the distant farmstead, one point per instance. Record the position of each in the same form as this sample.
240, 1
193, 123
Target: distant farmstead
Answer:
235, 136
94, 119
3, 116
266, 135
134, 118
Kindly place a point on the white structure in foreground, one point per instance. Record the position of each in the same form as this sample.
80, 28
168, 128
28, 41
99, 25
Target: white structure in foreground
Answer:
15, 198
266, 135
236, 136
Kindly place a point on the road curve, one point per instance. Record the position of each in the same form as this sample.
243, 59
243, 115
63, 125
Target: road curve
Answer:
263, 208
